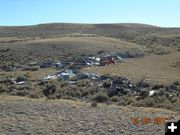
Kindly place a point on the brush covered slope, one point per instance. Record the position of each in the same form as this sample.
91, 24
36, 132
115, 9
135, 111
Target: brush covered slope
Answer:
37, 61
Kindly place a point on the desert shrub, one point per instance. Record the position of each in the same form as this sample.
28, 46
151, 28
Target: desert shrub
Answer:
144, 93
156, 101
68, 91
21, 78
101, 97
157, 86
166, 104
160, 92
162, 52
22, 87
5, 50
8, 67
148, 102
114, 98
58, 93
113, 92
176, 106
64, 84
30, 69
3, 88
126, 91
92, 90
128, 100
23, 93
83, 83
159, 99
173, 99
94, 104
176, 83
84, 93
50, 88
51, 96
20, 90
178, 47
36, 92
107, 84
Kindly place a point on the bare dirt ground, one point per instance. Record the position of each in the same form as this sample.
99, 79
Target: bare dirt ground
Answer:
23, 116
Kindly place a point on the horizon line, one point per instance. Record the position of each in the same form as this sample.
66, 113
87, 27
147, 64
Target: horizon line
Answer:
86, 23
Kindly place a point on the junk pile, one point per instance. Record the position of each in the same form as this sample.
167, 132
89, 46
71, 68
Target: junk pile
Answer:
101, 59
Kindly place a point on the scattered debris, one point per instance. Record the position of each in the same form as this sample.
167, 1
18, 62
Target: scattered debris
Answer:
19, 83
59, 65
66, 75
151, 93
32, 64
48, 77
46, 64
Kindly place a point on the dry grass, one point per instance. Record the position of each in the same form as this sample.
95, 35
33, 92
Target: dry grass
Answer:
156, 69
35, 75
77, 103
27, 116
83, 42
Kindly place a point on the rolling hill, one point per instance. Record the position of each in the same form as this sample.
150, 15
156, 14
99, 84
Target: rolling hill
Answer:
20, 45
125, 92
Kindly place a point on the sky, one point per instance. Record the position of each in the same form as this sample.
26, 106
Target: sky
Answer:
165, 13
